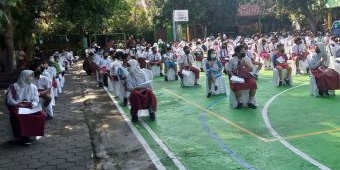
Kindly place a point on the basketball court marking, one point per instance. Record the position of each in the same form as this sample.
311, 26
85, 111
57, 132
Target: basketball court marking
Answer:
220, 142
154, 158
217, 116
281, 139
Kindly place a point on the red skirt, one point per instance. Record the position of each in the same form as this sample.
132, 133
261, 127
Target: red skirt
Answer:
249, 84
27, 125
142, 100
327, 81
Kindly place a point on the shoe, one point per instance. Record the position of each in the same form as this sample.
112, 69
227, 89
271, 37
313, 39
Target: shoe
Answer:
298, 71
327, 93
216, 88
251, 105
134, 119
25, 141
239, 106
176, 77
125, 102
49, 117
209, 95
161, 74
202, 70
287, 81
280, 83
321, 93
196, 84
100, 85
166, 78
152, 116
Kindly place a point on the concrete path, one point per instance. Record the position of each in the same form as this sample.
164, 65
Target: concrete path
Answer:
71, 136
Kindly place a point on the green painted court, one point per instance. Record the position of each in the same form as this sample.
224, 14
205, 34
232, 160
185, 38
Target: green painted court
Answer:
207, 133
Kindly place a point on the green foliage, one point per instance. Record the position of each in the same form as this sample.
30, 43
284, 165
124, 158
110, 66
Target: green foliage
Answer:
204, 12
307, 11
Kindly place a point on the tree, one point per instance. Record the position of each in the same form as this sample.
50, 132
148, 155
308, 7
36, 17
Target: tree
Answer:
310, 9
203, 13
7, 31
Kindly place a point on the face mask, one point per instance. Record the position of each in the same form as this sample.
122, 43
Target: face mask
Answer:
282, 50
154, 52
213, 55
31, 79
52, 59
318, 51
187, 52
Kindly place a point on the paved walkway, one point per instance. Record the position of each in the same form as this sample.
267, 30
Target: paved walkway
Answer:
76, 129
66, 144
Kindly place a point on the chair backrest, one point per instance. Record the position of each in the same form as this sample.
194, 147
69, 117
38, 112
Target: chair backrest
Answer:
148, 74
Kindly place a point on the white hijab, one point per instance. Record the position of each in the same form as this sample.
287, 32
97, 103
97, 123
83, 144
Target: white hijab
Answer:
136, 75
23, 86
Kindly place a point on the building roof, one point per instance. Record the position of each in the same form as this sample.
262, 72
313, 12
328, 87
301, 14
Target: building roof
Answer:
333, 4
250, 11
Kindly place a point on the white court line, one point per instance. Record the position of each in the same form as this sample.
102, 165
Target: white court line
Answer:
283, 141
170, 154
139, 136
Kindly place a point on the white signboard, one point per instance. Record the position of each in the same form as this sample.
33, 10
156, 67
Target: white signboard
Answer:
181, 16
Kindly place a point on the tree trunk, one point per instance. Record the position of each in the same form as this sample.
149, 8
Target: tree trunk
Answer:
8, 39
310, 19
204, 29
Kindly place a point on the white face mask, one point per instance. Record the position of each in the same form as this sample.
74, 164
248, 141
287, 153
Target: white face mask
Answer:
52, 59
31, 79
213, 55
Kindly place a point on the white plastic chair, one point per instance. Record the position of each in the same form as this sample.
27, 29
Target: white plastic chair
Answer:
156, 70
276, 78
188, 80
337, 65
314, 90
171, 74
244, 99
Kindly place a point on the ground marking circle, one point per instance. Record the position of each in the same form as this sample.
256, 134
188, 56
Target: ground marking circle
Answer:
280, 138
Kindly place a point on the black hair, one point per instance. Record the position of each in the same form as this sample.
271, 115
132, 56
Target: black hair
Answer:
238, 49
209, 54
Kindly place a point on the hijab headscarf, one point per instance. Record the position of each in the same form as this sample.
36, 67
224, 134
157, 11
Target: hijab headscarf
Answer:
24, 89
136, 75
135, 69
23, 85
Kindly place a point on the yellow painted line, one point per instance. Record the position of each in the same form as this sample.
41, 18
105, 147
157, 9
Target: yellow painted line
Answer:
308, 134
218, 116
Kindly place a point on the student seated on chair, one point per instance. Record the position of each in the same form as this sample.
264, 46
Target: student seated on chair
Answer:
155, 58
24, 94
141, 96
169, 60
298, 53
326, 78
280, 63
237, 62
185, 63
213, 70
